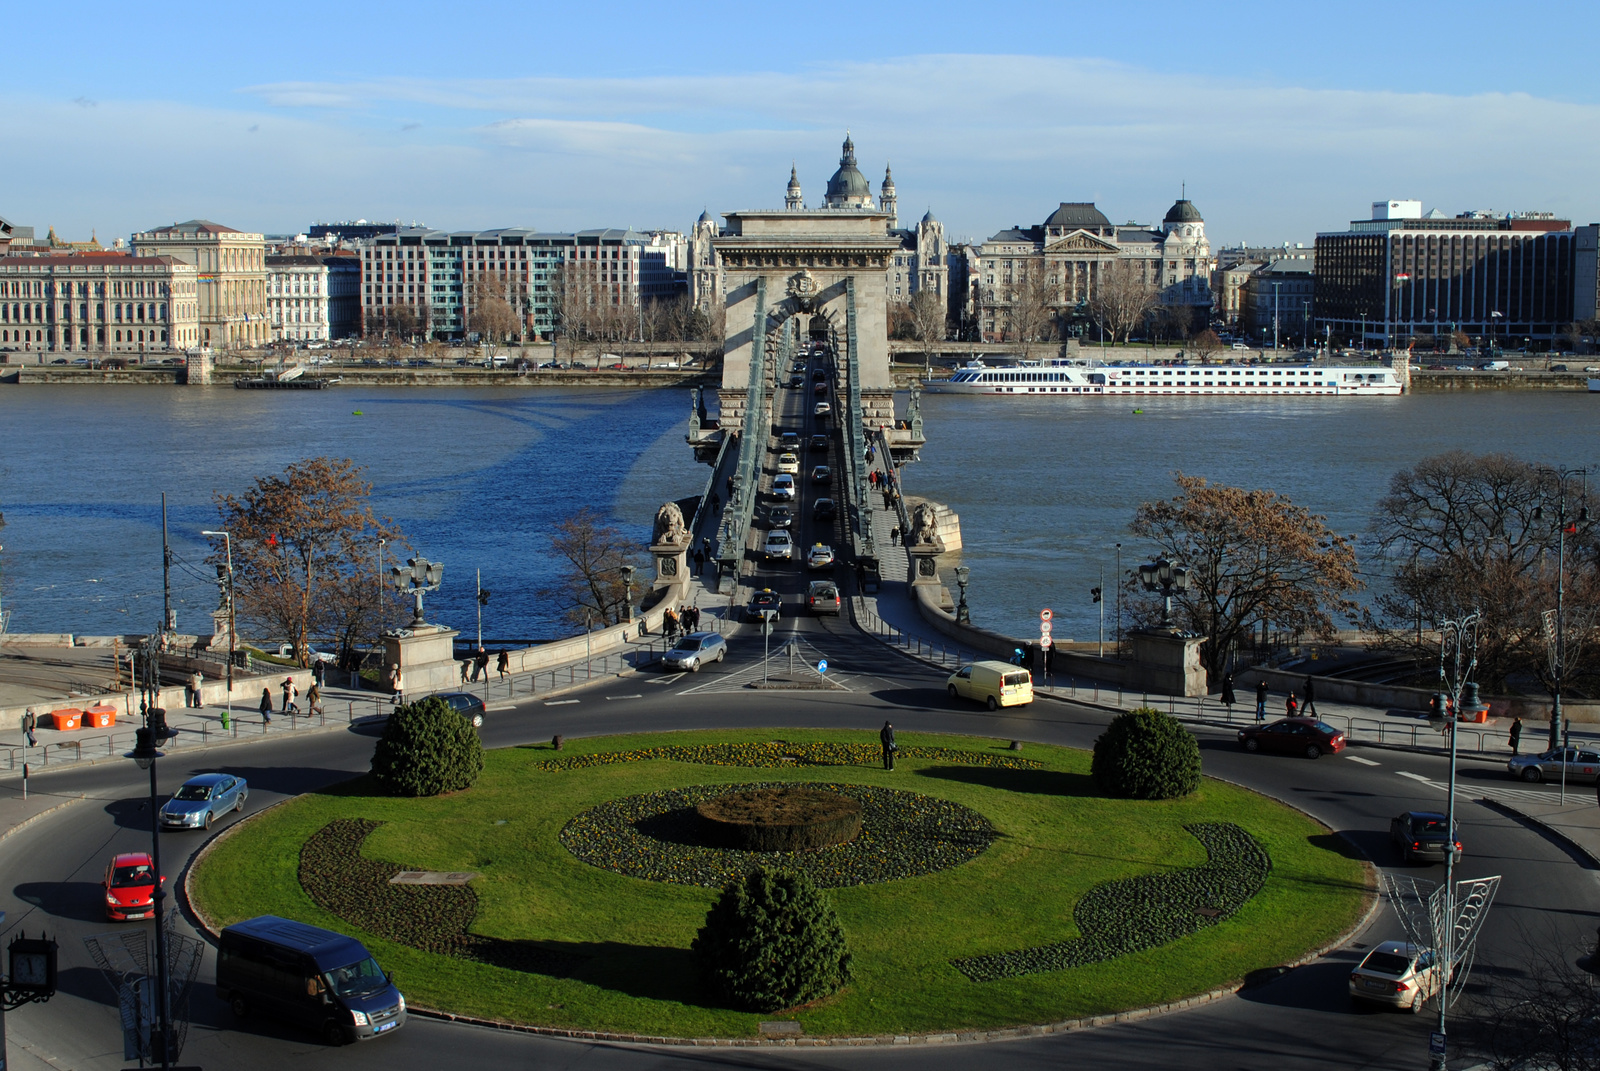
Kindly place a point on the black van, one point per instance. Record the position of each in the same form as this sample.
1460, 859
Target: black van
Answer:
307, 975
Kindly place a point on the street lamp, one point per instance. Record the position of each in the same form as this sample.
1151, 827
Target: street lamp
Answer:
1165, 576
145, 753
227, 543
1565, 525
1394, 306
963, 578
1275, 286
418, 576
627, 580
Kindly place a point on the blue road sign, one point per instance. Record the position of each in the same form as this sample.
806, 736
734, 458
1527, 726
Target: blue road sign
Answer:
822, 665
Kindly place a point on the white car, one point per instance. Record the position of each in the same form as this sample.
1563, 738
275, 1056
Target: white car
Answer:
821, 556
822, 409
779, 544
1240, 346
788, 463
783, 485
1397, 974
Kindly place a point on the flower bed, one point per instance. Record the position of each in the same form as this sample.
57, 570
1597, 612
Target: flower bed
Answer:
1134, 914
775, 754
658, 836
781, 819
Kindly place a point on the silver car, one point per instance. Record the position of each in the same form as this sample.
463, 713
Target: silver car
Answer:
1397, 974
200, 799
694, 650
1582, 765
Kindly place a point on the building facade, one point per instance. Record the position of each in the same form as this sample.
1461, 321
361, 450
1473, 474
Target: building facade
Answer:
344, 293
1277, 304
97, 303
297, 299
232, 272
1400, 274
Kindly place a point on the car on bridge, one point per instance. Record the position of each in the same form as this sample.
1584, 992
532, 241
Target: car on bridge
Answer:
130, 887
823, 509
764, 605
821, 556
822, 597
1397, 974
783, 486
200, 799
779, 544
789, 441
1420, 836
695, 650
819, 441
780, 517
821, 474
789, 463
1293, 736
1582, 764
797, 380
821, 409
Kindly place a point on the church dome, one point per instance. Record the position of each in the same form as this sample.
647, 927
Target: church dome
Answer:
1075, 214
1183, 212
705, 217
848, 185
927, 217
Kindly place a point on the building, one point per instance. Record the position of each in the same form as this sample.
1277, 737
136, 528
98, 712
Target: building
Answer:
421, 280
344, 293
1400, 275
1277, 302
8, 232
232, 273
1065, 259
1586, 275
705, 268
297, 298
349, 230
97, 303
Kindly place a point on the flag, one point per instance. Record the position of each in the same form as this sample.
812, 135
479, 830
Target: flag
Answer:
272, 539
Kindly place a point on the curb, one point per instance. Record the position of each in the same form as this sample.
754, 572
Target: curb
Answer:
33, 818
201, 919
1524, 816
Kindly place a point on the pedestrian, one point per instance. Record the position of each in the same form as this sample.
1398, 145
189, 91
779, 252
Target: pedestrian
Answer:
669, 623
1309, 707
319, 673
1515, 739
886, 738
696, 611
1261, 700
716, 503
1291, 707
466, 669
502, 663
699, 562
266, 705
191, 690
894, 536
1228, 698
480, 665
314, 698
397, 694
30, 722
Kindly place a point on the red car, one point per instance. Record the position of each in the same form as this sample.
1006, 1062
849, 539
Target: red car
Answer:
1293, 736
130, 885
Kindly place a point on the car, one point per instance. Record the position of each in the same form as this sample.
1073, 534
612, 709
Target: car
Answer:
822, 597
819, 389
81, 361
130, 885
821, 556
820, 375
764, 605
200, 799
1398, 974
59, 360
783, 486
1558, 368
780, 517
1582, 764
467, 705
1591, 368
994, 684
789, 463
821, 409
1420, 836
1436, 368
819, 441
789, 441
694, 650
823, 509
1293, 736
1239, 346
779, 545
796, 380
1465, 368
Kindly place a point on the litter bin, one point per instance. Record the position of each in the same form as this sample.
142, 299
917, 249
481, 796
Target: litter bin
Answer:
100, 717
67, 718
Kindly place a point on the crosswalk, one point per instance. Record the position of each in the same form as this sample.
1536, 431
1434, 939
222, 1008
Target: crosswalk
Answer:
805, 658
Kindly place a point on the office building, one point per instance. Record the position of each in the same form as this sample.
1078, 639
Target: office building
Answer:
297, 298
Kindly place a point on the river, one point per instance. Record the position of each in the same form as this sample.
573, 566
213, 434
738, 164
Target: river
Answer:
478, 477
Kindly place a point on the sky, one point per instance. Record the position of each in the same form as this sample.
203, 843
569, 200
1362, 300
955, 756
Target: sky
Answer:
1278, 120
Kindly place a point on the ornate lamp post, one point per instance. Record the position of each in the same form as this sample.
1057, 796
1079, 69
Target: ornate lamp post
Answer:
1566, 524
963, 578
145, 753
1165, 576
627, 580
227, 543
418, 575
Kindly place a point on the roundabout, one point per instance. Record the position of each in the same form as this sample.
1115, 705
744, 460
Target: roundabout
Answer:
978, 889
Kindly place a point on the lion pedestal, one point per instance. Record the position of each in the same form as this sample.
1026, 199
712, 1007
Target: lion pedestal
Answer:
669, 548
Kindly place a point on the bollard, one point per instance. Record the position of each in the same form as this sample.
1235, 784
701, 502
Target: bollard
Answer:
24, 780
350, 712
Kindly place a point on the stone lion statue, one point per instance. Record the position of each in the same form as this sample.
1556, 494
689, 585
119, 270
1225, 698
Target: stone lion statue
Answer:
669, 526
924, 525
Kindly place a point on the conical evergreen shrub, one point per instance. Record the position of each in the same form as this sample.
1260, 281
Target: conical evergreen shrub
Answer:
427, 748
772, 941
1146, 755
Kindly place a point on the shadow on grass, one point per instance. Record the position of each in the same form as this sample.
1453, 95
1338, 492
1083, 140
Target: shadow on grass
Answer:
648, 971
1033, 782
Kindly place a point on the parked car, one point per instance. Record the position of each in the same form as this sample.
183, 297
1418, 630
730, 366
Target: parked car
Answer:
1293, 736
823, 509
694, 650
467, 705
779, 545
764, 604
1240, 346
1558, 368
822, 597
789, 463
780, 517
1398, 974
821, 556
130, 886
200, 799
783, 486
1582, 764
1420, 836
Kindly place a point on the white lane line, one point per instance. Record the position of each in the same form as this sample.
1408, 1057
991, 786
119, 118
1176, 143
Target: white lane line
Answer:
559, 702
1417, 777
1362, 761
611, 697
661, 680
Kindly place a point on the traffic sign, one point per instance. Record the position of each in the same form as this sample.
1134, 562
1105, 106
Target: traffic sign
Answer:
822, 665
1045, 615
1045, 641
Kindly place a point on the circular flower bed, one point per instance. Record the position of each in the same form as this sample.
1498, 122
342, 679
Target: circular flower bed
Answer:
781, 819
659, 836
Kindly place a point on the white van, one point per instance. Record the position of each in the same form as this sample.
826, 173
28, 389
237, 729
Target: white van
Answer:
995, 684
1495, 366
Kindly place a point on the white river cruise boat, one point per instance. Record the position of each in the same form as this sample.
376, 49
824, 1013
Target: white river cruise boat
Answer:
1032, 378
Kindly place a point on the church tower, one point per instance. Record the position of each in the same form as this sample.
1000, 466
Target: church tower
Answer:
887, 199
792, 200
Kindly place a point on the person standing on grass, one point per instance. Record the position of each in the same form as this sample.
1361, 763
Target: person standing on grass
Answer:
1515, 739
266, 706
886, 738
1261, 699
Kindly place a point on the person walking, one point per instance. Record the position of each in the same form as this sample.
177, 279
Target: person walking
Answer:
894, 536
480, 665
886, 738
191, 690
30, 722
466, 669
1261, 700
314, 699
288, 706
502, 663
1309, 707
1515, 739
397, 691
1291, 707
319, 673
699, 562
266, 706
1228, 698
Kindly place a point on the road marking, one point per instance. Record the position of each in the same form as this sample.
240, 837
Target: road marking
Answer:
1362, 761
1417, 777
661, 680
611, 697
558, 702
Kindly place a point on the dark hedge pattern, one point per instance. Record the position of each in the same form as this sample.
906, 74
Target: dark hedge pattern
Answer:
657, 836
1146, 755
1132, 914
427, 748
778, 753
772, 941
433, 918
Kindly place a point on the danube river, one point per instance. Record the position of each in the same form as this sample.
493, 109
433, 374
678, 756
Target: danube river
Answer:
477, 477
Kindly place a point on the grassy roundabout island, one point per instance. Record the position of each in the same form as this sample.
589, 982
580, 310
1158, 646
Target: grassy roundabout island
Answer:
983, 887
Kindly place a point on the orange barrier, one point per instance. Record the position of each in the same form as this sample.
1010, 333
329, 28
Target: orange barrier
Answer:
100, 717
67, 718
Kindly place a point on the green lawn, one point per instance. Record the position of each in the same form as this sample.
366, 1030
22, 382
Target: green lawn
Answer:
1057, 840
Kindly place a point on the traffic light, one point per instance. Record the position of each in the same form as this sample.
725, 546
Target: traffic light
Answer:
1095, 593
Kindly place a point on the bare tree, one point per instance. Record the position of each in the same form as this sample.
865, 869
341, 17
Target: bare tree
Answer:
591, 588
1541, 1012
1034, 298
928, 316
1205, 345
1122, 299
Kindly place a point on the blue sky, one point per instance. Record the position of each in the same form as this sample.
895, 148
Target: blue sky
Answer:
1282, 119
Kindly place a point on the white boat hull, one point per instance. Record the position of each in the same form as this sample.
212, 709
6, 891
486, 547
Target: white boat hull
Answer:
1031, 380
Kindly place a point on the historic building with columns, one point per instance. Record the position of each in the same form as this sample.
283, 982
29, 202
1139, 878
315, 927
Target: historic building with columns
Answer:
231, 269
297, 298
97, 303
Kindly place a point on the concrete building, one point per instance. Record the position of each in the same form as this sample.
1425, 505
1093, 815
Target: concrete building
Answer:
232, 273
97, 303
344, 293
297, 298
1586, 273
1401, 274
1277, 303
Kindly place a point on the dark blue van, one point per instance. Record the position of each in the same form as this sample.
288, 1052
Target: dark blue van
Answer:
303, 974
